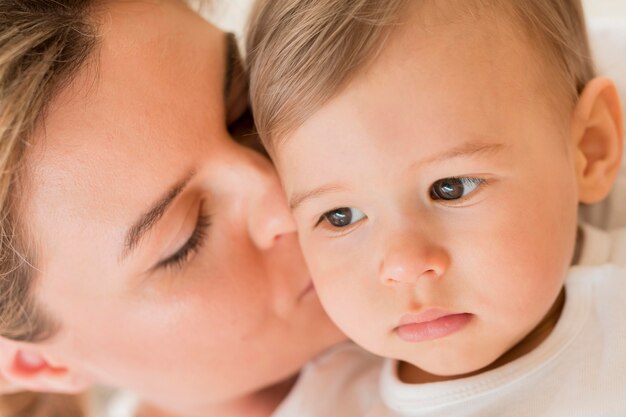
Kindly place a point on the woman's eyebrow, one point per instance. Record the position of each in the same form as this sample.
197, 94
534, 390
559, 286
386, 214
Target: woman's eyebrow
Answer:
147, 220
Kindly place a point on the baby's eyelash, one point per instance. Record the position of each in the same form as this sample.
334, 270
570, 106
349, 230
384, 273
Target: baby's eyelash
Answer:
478, 183
193, 244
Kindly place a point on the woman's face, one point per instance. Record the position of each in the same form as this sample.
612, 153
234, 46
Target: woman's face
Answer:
166, 250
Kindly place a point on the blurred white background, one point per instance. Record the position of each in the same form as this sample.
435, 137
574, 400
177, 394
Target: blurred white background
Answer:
605, 8
231, 13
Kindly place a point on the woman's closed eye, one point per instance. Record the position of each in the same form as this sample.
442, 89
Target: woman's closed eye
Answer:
341, 217
191, 246
455, 189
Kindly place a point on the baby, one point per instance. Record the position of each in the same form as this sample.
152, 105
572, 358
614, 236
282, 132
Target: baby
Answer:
435, 154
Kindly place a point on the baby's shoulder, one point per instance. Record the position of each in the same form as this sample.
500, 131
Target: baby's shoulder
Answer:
342, 382
343, 361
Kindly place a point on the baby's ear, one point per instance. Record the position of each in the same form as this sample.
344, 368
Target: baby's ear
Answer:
24, 366
598, 132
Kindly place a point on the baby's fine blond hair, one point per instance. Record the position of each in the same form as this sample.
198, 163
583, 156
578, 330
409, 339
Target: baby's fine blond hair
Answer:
302, 52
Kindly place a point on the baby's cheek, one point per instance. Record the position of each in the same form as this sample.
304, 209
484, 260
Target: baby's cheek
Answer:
318, 260
333, 278
343, 307
343, 271
328, 276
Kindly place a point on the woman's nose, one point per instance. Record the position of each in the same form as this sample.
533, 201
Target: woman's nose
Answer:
412, 258
269, 215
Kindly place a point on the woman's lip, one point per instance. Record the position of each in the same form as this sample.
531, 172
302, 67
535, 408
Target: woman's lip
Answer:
431, 324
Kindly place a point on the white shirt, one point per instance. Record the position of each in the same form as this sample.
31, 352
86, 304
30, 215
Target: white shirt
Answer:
579, 370
108, 402
342, 382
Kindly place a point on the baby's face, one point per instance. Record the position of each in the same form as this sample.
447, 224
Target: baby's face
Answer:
436, 198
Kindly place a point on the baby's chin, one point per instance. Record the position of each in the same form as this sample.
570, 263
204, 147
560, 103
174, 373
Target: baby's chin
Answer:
443, 366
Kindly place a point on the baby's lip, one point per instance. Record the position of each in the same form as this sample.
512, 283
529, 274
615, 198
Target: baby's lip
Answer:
430, 324
424, 316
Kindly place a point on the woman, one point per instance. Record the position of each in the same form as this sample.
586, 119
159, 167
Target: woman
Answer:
142, 247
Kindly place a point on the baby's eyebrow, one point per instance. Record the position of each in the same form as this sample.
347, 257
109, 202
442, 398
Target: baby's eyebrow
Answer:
466, 149
471, 148
298, 198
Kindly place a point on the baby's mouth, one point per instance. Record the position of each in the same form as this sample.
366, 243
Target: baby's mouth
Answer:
431, 324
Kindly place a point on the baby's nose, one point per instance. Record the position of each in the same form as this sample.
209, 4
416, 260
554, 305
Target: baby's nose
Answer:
408, 261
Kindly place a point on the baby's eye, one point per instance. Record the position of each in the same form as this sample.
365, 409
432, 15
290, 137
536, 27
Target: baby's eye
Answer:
449, 189
342, 217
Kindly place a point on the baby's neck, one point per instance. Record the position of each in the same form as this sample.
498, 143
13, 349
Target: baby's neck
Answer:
413, 375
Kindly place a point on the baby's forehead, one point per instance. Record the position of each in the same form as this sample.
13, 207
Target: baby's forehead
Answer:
475, 40
453, 69
550, 36
460, 82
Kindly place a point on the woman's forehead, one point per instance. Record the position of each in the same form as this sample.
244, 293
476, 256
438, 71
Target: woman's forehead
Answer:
139, 115
161, 53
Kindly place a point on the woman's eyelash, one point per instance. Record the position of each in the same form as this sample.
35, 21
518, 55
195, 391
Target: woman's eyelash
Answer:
195, 241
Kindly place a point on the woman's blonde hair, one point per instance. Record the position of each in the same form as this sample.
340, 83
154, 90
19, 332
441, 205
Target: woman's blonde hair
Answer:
302, 52
42, 44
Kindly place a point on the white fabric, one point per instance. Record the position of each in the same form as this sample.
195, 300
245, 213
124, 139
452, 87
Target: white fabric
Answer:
122, 404
228, 15
579, 370
108, 402
341, 383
